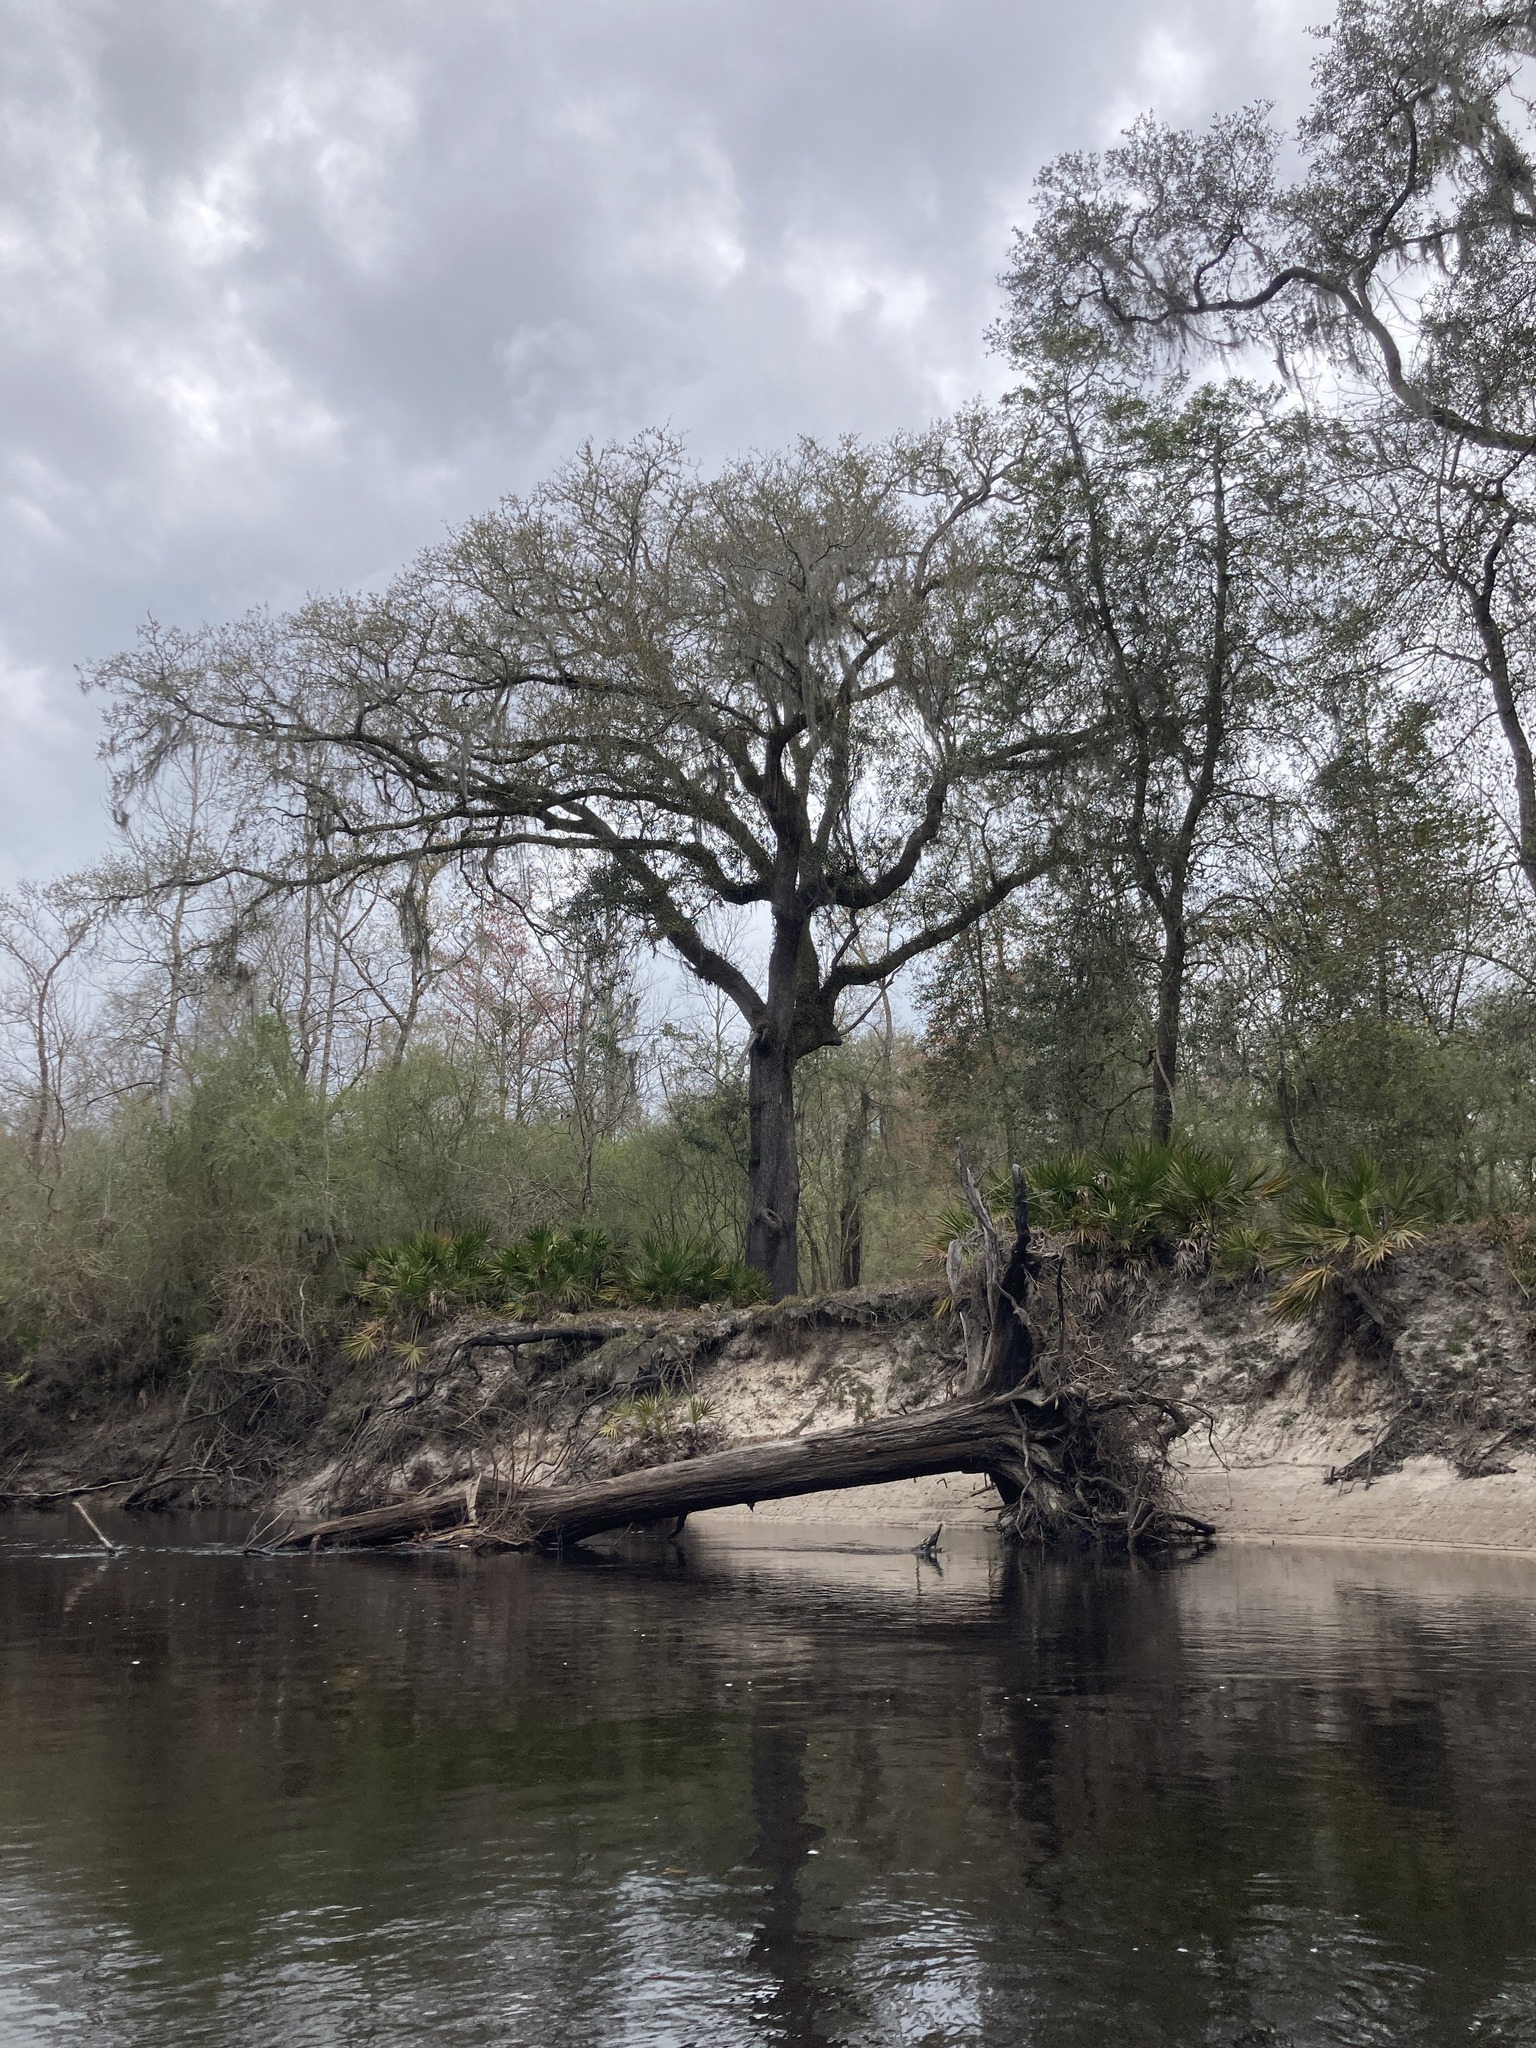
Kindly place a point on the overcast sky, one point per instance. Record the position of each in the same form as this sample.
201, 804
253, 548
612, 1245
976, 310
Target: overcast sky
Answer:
291, 285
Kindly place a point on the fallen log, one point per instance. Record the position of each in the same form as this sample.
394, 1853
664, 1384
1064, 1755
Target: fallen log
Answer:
399, 1521
960, 1436
1023, 1438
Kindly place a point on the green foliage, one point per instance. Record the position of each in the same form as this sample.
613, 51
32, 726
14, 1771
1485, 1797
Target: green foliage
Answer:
684, 1272
686, 1174
1207, 1198
1514, 1238
265, 1221
1185, 1207
1366, 981
1152, 1204
952, 1221
867, 1170
551, 1269
1038, 1024
1340, 1230
426, 1273
1370, 1023
1243, 1251
654, 1421
410, 1283
648, 1417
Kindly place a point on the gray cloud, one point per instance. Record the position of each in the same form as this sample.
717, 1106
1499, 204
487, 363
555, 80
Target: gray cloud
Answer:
289, 286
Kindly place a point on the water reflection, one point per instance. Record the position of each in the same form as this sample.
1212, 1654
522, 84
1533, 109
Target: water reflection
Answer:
725, 1794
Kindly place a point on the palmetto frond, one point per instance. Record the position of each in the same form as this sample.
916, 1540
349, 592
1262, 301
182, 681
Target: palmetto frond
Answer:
1356, 1224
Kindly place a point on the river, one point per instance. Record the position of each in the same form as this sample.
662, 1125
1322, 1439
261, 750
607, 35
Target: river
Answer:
761, 1790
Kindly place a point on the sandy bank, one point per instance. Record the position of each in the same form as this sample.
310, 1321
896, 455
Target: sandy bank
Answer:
1250, 1491
1259, 1477
1283, 1407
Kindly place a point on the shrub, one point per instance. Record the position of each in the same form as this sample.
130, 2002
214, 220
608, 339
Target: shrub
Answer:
1337, 1233
1154, 1204
683, 1272
551, 1269
1182, 1205
411, 1282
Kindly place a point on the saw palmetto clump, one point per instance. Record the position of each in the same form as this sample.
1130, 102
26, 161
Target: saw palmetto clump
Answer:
552, 1268
1135, 1209
686, 1272
410, 1283
1340, 1234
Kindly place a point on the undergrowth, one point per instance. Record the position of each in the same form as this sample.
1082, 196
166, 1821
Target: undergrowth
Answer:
1127, 1213
548, 1270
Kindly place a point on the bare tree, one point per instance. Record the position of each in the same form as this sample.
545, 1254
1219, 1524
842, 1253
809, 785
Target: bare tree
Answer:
162, 922
44, 934
597, 1015
497, 1004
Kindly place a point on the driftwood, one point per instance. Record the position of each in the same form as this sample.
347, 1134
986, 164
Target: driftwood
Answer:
91, 1523
960, 1436
403, 1521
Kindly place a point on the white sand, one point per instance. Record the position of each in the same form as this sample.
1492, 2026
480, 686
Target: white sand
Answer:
1265, 1476
1261, 1479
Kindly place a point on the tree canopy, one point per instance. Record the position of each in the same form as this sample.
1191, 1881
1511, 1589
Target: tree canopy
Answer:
1405, 247
1170, 719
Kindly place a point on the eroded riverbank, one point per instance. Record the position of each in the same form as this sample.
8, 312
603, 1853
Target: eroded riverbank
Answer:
1295, 1430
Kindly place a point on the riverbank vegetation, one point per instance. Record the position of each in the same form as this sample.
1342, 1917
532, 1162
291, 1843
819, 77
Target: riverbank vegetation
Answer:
635, 900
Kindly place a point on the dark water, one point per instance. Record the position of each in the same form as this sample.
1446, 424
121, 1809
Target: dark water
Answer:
754, 1795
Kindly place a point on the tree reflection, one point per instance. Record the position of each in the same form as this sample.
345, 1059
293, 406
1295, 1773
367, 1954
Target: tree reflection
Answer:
785, 1837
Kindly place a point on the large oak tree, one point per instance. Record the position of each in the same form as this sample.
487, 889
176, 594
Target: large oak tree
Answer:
775, 692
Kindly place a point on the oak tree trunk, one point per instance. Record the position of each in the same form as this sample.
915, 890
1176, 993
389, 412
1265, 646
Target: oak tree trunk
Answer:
773, 1165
